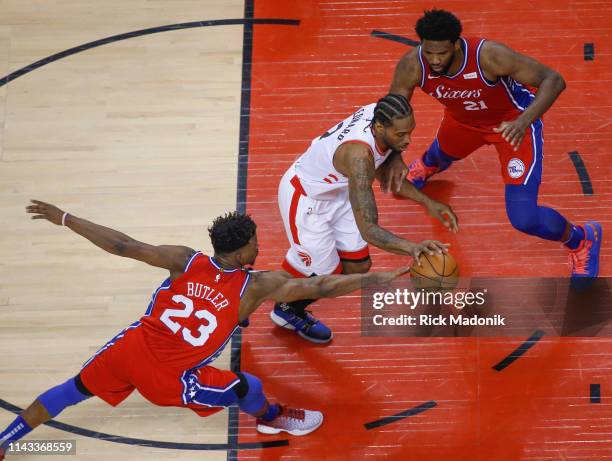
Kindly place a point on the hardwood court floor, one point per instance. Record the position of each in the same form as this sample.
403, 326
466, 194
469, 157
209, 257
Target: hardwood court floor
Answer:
140, 135
143, 134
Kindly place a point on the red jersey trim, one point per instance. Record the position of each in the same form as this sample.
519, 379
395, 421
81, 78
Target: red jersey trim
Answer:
295, 200
292, 270
355, 255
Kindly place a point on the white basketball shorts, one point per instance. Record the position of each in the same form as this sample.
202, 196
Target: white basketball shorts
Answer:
321, 232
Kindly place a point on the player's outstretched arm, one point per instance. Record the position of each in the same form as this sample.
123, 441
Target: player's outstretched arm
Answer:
276, 286
170, 257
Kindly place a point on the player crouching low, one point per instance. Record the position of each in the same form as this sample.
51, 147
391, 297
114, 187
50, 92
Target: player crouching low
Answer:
329, 210
190, 319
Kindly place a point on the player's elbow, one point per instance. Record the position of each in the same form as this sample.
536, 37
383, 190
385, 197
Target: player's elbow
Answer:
560, 81
369, 233
125, 248
119, 248
557, 80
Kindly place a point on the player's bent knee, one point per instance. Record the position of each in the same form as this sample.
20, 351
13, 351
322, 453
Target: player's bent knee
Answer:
253, 400
59, 397
356, 267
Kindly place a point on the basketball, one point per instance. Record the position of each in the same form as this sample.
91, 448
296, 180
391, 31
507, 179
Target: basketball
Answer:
437, 271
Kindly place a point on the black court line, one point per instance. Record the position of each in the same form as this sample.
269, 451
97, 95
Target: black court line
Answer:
394, 38
519, 351
147, 443
248, 21
402, 415
595, 393
138, 33
233, 425
583, 174
589, 52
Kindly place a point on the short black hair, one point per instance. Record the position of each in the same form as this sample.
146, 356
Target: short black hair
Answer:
390, 107
231, 231
438, 25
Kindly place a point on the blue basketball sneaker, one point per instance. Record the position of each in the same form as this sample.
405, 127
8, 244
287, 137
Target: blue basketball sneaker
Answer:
304, 325
584, 260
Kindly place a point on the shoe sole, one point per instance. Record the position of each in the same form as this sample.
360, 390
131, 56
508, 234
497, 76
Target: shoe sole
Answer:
297, 432
281, 322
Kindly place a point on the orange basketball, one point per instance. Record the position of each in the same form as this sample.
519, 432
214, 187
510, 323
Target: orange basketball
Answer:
438, 271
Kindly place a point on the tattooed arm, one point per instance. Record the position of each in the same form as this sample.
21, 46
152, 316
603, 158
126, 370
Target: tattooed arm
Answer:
355, 161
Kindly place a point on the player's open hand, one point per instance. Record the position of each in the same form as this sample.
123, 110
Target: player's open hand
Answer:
393, 174
513, 132
429, 247
444, 214
42, 210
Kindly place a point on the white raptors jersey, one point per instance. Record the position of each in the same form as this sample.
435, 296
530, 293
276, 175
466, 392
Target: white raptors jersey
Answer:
315, 168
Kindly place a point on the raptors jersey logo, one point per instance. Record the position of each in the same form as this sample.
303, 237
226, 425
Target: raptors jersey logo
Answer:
305, 257
469, 97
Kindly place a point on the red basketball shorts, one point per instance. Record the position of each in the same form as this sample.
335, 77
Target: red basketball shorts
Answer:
517, 167
125, 363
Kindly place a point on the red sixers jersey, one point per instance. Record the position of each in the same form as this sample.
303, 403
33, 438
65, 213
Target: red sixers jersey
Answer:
191, 319
469, 97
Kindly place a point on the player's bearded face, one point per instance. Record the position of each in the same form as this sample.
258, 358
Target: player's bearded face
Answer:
397, 136
439, 55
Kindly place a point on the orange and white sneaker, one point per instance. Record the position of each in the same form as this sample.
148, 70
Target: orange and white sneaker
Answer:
419, 173
291, 420
584, 260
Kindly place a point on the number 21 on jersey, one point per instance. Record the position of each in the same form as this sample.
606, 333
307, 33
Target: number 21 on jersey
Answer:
475, 105
204, 330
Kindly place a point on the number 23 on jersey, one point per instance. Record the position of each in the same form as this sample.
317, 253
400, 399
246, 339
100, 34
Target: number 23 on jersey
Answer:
204, 331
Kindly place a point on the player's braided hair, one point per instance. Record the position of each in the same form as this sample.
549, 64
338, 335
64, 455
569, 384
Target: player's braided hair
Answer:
390, 107
231, 232
438, 25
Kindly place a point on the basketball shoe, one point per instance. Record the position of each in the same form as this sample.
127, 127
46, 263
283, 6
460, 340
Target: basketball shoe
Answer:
291, 420
304, 324
584, 260
419, 173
